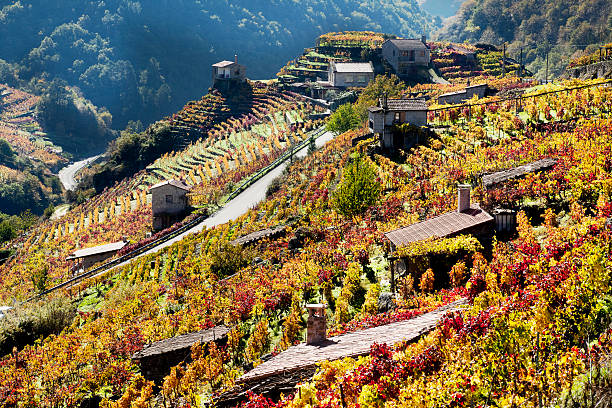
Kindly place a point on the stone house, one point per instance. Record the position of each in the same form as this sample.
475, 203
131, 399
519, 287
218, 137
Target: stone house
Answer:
391, 112
169, 203
157, 359
350, 74
86, 258
467, 219
468, 93
228, 70
406, 55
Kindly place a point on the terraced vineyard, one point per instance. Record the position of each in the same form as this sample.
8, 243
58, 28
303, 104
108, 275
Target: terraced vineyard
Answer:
458, 62
19, 127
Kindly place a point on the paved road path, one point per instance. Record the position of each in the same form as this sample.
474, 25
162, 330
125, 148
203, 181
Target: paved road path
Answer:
246, 200
349, 345
67, 173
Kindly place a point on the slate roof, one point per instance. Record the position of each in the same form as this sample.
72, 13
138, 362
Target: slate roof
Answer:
101, 249
352, 67
490, 180
406, 104
223, 64
182, 342
450, 223
352, 344
175, 183
257, 235
408, 44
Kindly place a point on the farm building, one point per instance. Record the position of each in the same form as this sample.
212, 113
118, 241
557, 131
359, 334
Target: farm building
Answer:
391, 112
467, 219
86, 258
158, 358
405, 55
169, 203
259, 235
350, 74
495, 179
468, 93
228, 70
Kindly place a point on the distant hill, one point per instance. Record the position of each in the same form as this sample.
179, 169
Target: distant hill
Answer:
441, 8
142, 60
564, 28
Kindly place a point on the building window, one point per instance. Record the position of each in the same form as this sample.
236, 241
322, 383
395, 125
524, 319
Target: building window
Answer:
397, 117
411, 57
422, 53
169, 198
372, 124
348, 78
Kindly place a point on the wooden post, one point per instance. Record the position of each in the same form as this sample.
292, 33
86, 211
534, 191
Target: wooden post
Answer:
342, 397
393, 276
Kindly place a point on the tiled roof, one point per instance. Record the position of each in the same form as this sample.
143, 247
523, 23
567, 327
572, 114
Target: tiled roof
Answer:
352, 67
257, 235
505, 175
174, 183
223, 64
451, 223
101, 249
406, 104
408, 44
182, 342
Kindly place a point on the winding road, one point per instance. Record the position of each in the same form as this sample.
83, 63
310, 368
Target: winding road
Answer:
246, 200
66, 174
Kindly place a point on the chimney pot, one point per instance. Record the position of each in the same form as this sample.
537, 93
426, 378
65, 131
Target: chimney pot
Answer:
236, 58
463, 200
316, 329
424, 39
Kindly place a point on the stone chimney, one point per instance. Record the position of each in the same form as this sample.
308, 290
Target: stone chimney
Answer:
236, 58
424, 39
463, 200
385, 104
316, 328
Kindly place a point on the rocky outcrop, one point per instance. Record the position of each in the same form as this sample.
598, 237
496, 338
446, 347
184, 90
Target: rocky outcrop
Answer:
601, 69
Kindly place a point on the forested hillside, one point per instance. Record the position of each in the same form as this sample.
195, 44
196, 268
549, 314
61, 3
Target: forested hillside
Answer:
144, 60
563, 28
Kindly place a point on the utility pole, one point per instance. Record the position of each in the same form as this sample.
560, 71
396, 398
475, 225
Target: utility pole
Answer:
504, 61
521, 68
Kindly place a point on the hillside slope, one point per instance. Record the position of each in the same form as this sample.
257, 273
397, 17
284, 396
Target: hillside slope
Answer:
144, 60
564, 28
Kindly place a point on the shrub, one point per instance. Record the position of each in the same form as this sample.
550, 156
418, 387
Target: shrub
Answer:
343, 119
228, 259
23, 326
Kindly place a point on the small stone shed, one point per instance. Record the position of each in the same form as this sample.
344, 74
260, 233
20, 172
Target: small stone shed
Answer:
350, 74
505, 218
391, 112
157, 359
466, 94
256, 236
169, 202
494, 180
87, 257
405, 55
467, 219
228, 70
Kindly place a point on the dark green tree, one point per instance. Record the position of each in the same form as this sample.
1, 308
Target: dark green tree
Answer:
359, 188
